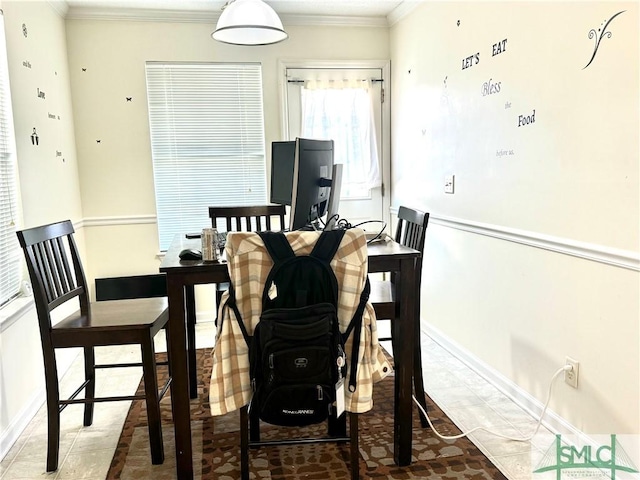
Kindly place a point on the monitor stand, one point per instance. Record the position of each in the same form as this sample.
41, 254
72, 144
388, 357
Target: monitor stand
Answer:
334, 196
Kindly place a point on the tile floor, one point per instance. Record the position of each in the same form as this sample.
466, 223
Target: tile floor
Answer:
85, 453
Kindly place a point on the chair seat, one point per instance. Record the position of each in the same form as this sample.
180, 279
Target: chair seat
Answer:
113, 320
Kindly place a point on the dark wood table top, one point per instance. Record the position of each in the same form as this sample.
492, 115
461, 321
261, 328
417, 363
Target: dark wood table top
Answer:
381, 255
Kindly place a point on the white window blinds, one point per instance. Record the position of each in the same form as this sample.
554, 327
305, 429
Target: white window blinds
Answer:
207, 141
10, 254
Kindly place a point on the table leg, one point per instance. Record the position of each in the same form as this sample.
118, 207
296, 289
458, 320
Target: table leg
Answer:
190, 307
180, 380
403, 360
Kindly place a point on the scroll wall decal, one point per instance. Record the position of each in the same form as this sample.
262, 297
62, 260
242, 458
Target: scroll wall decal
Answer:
599, 35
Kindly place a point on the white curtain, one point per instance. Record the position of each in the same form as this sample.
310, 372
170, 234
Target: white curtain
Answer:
342, 111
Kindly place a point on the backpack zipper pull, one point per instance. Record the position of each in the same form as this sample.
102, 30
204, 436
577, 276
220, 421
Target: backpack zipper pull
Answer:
271, 361
320, 392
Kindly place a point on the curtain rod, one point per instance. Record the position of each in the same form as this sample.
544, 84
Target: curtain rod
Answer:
344, 80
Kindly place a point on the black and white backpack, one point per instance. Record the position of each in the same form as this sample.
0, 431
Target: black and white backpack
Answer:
297, 354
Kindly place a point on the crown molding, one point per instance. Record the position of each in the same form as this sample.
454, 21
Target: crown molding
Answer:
142, 15
210, 17
402, 10
333, 20
61, 7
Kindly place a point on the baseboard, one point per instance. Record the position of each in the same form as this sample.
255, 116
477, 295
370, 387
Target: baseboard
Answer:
554, 422
20, 423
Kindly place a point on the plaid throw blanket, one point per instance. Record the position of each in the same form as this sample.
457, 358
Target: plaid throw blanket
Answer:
249, 264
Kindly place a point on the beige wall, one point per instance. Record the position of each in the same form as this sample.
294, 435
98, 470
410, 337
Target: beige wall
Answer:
106, 188
518, 264
116, 174
49, 187
38, 63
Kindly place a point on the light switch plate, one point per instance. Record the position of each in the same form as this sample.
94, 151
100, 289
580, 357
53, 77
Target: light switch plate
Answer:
449, 183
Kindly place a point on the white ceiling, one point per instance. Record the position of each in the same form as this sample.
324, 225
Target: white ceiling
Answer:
375, 10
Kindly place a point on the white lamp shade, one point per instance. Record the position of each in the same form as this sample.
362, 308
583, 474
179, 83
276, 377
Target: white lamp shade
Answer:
249, 22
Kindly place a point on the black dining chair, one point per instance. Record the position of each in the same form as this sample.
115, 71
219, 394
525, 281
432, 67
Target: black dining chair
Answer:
256, 218
57, 277
411, 232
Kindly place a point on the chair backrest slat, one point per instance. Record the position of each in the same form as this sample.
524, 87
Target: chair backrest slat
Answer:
54, 266
56, 275
411, 229
68, 282
248, 218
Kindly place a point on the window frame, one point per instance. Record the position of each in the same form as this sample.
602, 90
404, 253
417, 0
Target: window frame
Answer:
10, 252
204, 156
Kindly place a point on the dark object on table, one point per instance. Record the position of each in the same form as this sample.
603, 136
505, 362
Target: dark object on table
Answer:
190, 254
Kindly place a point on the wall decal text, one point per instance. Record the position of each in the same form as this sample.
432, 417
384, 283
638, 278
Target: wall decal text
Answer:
527, 119
471, 60
499, 47
502, 153
490, 87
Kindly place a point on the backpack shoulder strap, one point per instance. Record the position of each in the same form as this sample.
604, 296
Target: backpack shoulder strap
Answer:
327, 245
355, 326
277, 245
231, 303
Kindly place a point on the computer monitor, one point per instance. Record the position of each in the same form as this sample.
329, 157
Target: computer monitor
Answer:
312, 174
282, 159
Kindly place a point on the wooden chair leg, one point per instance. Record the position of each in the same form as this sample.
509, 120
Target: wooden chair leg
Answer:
254, 425
418, 381
337, 426
90, 389
167, 336
53, 416
244, 443
190, 300
354, 446
153, 404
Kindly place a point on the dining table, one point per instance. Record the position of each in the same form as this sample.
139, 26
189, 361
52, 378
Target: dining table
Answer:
183, 275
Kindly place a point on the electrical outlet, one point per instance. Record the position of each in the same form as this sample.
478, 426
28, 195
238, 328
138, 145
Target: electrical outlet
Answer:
571, 376
449, 183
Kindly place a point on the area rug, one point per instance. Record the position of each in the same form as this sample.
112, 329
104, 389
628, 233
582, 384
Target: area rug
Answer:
216, 450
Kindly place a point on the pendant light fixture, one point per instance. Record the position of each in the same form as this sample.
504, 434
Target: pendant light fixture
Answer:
249, 22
